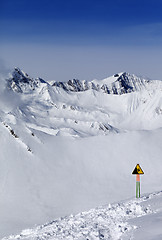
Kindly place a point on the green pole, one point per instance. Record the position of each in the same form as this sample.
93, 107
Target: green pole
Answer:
138, 186
136, 189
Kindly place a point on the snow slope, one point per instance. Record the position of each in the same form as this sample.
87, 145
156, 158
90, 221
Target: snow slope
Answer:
148, 226
66, 151
131, 219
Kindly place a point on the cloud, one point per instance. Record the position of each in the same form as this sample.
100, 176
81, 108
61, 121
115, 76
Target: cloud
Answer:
4, 74
4, 70
8, 99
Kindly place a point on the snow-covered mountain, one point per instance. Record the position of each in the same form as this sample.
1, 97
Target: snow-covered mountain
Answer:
81, 108
117, 84
68, 147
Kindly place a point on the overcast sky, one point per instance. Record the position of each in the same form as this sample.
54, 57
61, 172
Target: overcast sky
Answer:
84, 39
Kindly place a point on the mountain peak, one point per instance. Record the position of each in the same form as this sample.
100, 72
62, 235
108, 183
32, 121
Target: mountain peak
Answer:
20, 81
19, 72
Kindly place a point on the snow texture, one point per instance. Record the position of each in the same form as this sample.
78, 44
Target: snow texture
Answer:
108, 222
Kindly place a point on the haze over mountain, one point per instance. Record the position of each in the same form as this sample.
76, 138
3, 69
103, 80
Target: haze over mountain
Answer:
69, 146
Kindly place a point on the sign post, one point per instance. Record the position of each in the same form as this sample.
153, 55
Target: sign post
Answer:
138, 170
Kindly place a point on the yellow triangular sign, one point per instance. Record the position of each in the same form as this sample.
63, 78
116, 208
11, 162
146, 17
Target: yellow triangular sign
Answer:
138, 170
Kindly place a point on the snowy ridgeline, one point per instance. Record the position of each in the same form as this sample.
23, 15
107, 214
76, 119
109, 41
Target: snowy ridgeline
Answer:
109, 222
69, 147
80, 108
118, 84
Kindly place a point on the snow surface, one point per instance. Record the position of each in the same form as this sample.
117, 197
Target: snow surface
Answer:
148, 226
131, 219
65, 152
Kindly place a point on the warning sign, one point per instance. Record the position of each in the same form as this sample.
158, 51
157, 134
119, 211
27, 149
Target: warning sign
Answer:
138, 170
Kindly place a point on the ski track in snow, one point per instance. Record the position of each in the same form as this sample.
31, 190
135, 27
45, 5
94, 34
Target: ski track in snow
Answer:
107, 222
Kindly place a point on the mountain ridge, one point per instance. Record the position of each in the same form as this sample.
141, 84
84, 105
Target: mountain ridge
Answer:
77, 108
117, 84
